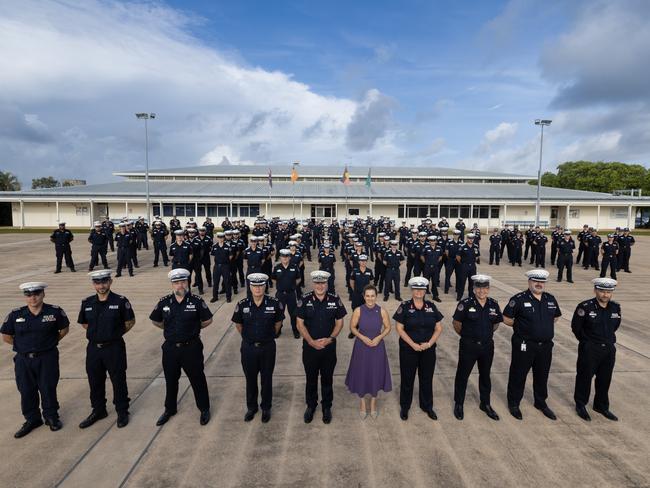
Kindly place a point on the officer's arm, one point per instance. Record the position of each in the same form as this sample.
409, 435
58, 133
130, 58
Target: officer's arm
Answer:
509, 321
128, 325
239, 327
278, 326
160, 325
300, 325
338, 325
9, 339
63, 332
458, 258
205, 323
436, 333
85, 326
458, 326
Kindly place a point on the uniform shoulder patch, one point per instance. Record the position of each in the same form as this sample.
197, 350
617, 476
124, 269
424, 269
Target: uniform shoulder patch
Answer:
127, 304
460, 307
512, 303
306, 294
580, 311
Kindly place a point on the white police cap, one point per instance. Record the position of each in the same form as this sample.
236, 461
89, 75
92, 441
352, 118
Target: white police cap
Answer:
433, 238
537, 275
97, 223
381, 234
351, 235
319, 276
444, 229
481, 280
285, 252
363, 257
178, 232
122, 224
604, 284
293, 243
469, 236
393, 242
418, 283
221, 234
228, 232
202, 229
567, 232
178, 274
33, 286
99, 275
257, 279
422, 234
457, 231
387, 238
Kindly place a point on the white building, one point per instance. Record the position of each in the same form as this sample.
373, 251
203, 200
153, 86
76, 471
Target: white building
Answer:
401, 193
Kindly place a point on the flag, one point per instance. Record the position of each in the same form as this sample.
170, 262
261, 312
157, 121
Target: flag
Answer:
345, 179
270, 178
294, 175
368, 180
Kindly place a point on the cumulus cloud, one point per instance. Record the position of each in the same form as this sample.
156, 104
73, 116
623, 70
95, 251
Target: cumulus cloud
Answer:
502, 133
370, 121
73, 75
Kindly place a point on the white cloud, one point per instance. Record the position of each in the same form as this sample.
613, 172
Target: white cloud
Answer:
502, 133
74, 75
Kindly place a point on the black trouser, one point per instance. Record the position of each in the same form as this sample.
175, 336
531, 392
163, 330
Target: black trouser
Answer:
330, 282
288, 299
594, 358
422, 362
409, 270
61, 252
95, 253
221, 272
205, 264
392, 284
623, 261
451, 265
472, 352
430, 274
540, 256
319, 362
503, 246
553, 252
158, 249
380, 275
581, 249
111, 359
538, 356
123, 260
529, 244
565, 260
465, 271
189, 358
133, 255
611, 262
495, 255
195, 266
593, 258
142, 240
36, 376
258, 360
515, 256
111, 242
239, 270
418, 266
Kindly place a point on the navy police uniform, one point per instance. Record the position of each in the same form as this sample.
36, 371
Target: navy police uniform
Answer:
62, 239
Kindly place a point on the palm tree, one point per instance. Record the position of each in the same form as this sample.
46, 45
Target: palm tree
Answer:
8, 181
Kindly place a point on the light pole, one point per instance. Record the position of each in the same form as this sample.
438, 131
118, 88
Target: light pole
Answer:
293, 198
146, 117
541, 123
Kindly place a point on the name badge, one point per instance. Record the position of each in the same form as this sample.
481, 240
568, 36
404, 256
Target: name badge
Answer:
165, 308
88, 309
593, 314
49, 318
246, 309
471, 309
20, 319
528, 304
113, 307
272, 309
616, 316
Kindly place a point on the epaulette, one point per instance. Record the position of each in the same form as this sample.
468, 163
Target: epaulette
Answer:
166, 297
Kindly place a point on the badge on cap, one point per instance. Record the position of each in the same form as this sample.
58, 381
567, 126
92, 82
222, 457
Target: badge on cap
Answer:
178, 274
319, 276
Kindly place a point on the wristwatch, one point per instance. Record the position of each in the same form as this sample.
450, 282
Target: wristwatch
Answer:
333, 338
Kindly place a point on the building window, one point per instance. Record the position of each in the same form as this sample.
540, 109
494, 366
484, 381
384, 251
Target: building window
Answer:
554, 212
156, 208
494, 212
574, 213
353, 211
81, 210
464, 211
433, 211
168, 210
246, 210
618, 213
480, 211
200, 210
323, 211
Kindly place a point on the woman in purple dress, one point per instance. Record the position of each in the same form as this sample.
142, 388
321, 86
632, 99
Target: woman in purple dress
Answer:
369, 371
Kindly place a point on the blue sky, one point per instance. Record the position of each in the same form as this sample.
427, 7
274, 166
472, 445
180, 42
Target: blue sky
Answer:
451, 83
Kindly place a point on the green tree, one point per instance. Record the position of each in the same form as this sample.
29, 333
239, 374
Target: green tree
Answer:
45, 182
8, 181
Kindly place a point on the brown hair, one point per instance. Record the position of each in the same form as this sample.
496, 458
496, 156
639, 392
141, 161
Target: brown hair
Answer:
369, 287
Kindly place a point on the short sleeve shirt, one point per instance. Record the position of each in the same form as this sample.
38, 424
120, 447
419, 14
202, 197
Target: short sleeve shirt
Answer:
181, 321
106, 320
419, 324
320, 316
478, 321
258, 323
35, 333
534, 319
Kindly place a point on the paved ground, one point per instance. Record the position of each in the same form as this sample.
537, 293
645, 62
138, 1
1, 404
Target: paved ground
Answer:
349, 452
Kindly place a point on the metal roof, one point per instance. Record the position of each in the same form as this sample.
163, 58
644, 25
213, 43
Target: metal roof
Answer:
396, 171
258, 190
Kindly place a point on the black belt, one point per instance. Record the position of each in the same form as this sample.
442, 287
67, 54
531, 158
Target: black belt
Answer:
99, 345
185, 343
481, 342
258, 344
35, 354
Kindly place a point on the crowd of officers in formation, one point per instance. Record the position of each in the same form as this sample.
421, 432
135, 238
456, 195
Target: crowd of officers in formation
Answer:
316, 316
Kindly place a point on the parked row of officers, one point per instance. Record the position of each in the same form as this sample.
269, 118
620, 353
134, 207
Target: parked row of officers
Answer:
34, 331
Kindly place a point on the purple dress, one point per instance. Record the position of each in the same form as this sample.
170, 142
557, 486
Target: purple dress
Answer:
369, 371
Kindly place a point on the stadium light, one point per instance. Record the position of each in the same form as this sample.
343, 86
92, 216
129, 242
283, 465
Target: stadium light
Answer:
146, 116
541, 123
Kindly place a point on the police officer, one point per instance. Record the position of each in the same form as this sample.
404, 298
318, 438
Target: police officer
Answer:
286, 277
159, 237
539, 244
98, 246
142, 229
174, 224
609, 252
258, 319
625, 242
460, 225
320, 320
326, 260
109, 229
206, 242
556, 236
582, 244
106, 316
181, 315
532, 314
221, 272
180, 251
209, 227
594, 324
593, 250
565, 249
393, 258
123, 241
451, 263
475, 320
418, 324
467, 257
62, 238
359, 278
495, 245
34, 331
432, 259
